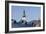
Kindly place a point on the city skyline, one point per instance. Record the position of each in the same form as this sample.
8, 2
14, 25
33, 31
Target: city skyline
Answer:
32, 13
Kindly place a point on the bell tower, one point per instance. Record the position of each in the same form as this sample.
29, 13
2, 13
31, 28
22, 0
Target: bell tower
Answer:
24, 17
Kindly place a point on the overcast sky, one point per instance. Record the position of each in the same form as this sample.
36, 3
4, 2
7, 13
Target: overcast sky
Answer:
32, 13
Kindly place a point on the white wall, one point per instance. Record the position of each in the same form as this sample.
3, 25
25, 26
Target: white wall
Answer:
2, 17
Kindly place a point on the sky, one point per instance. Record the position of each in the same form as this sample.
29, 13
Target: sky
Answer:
32, 13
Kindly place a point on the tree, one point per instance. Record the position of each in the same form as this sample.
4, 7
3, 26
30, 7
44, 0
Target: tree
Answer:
15, 22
